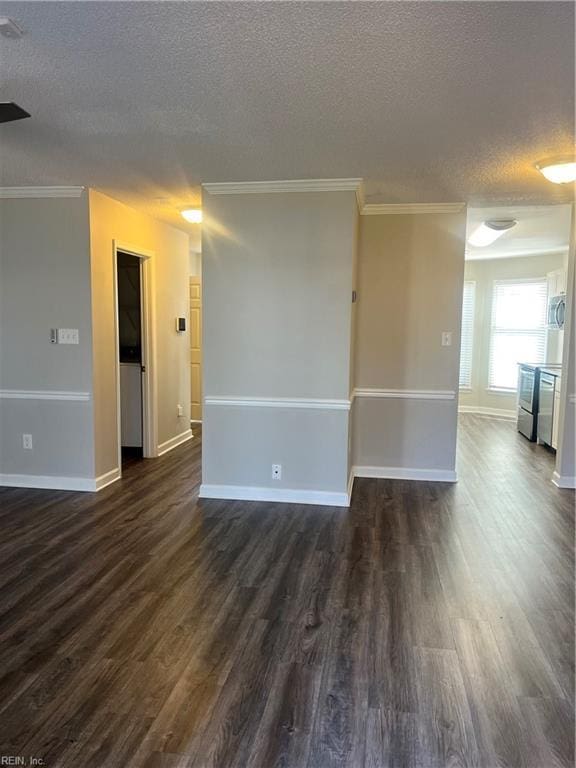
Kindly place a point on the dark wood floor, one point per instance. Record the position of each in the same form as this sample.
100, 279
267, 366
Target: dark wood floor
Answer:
430, 625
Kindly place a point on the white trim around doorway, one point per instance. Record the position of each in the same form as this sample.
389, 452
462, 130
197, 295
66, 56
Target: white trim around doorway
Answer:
149, 389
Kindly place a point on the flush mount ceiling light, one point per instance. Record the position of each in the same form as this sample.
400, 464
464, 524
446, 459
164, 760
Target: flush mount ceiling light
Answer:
558, 170
10, 111
489, 231
193, 215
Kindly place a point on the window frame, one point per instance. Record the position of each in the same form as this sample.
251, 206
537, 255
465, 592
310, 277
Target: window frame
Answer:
542, 280
467, 387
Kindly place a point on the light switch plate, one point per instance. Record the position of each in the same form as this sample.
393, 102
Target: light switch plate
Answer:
446, 338
68, 336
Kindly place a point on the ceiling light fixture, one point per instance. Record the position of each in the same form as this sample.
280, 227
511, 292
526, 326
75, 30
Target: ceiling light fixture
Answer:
489, 231
193, 215
558, 170
9, 28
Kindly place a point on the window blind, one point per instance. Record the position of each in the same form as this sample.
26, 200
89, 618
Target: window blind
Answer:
467, 335
518, 329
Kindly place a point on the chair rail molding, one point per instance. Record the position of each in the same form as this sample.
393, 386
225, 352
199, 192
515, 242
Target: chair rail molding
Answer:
279, 402
12, 193
43, 394
404, 394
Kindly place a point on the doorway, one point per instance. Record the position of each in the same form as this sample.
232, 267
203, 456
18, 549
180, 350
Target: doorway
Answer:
130, 354
136, 413
512, 370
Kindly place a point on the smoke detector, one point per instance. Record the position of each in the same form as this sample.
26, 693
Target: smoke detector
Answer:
9, 28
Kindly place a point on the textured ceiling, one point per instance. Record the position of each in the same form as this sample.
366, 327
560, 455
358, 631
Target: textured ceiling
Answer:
543, 229
427, 101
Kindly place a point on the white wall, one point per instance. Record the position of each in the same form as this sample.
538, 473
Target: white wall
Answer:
56, 271
44, 284
277, 279
484, 273
409, 291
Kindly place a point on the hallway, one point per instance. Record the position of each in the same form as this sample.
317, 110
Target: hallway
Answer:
429, 625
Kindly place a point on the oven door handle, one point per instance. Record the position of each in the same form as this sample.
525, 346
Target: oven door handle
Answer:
557, 312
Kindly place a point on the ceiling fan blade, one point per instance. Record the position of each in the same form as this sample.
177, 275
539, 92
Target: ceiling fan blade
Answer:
10, 111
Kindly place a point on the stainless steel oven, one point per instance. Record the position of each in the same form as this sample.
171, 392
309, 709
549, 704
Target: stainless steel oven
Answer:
528, 390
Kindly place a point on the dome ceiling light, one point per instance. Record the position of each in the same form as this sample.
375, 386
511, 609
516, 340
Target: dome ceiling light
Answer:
192, 215
558, 170
489, 231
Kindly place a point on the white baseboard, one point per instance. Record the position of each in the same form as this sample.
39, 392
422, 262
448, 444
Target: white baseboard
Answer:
49, 482
407, 473
290, 495
107, 479
563, 481
58, 483
499, 413
174, 442
350, 484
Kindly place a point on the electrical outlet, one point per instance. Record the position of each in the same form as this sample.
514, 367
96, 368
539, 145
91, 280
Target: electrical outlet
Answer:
276, 471
27, 442
446, 338
180, 410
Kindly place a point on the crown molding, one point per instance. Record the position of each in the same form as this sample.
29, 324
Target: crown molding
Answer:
291, 185
39, 192
379, 209
360, 197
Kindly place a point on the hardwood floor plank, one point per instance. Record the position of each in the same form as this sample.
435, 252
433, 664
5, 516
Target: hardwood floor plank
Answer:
285, 730
446, 734
499, 726
550, 725
391, 740
429, 625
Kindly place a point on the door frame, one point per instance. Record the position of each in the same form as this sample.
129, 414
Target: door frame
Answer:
148, 326
191, 278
